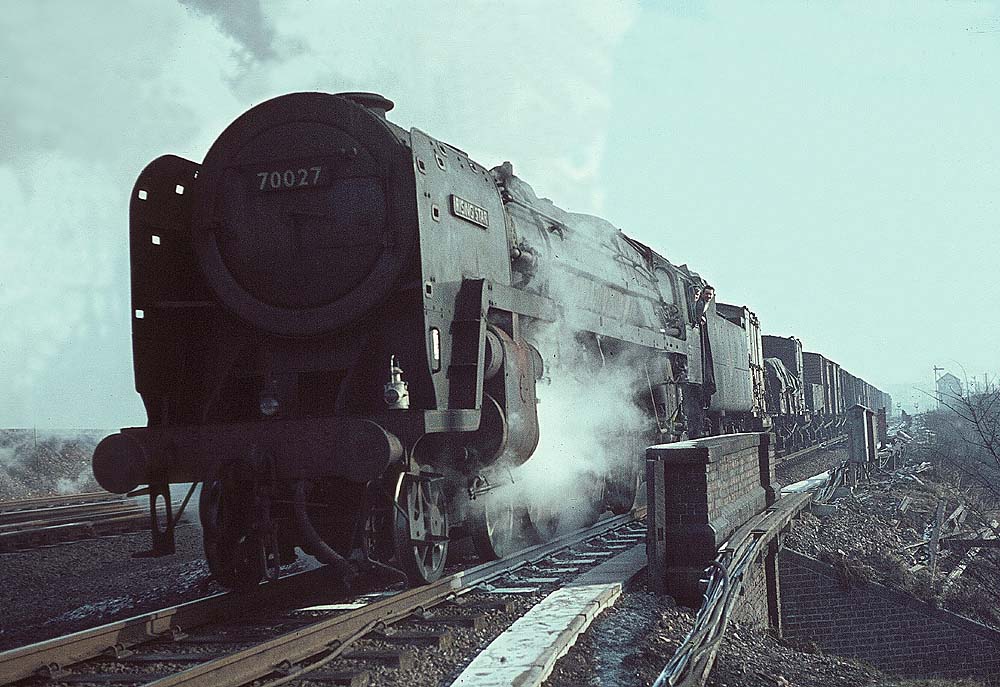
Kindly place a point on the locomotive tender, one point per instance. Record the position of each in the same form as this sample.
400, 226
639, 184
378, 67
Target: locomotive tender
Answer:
338, 329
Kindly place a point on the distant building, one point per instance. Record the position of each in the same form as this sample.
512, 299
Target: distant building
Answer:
949, 387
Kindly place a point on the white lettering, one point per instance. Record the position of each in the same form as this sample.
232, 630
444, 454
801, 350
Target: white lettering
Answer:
289, 178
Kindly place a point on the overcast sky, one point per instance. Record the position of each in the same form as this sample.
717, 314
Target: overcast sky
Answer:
834, 166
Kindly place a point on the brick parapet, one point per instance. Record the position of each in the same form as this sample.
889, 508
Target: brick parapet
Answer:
700, 492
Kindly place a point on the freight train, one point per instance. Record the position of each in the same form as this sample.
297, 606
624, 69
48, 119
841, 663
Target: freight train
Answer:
341, 328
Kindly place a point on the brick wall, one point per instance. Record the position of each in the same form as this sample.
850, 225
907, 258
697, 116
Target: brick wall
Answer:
884, 627
699, 493
752, 606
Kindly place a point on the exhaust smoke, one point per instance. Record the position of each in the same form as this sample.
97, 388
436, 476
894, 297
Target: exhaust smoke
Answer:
592, 427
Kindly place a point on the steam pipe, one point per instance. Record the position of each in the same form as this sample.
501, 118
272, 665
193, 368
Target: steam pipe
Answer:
323, 552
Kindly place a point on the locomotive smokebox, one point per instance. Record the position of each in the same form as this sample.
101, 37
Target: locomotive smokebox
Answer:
304, 212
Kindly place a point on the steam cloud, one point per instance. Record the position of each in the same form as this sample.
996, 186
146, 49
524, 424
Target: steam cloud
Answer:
590, 426
244, 22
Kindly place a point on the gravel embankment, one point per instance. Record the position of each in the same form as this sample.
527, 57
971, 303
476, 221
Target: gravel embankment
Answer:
810, 464
57, 589
46, 462
876, 534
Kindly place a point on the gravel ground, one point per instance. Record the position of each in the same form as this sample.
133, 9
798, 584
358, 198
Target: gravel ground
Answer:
810, 464
52, 590
433, 665
865, 535
632, 643
78, 586
851, 531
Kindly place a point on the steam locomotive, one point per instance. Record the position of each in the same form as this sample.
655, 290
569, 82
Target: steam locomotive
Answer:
341, 329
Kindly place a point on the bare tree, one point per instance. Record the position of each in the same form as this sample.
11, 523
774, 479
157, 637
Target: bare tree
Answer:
968, 437
966, 447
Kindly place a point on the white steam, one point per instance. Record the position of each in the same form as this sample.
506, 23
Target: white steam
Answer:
82, 482
591, 427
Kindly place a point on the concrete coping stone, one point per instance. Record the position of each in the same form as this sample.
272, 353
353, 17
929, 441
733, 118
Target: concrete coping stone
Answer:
525, 654
538, 580
705, 450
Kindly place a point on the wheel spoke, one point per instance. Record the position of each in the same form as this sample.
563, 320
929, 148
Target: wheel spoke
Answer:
420, 522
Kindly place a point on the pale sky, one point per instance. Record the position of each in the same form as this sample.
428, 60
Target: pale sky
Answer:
832, 165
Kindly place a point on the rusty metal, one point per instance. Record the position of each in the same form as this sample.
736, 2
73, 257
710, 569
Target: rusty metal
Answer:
18, 664
56, 515
23, 528
72, 531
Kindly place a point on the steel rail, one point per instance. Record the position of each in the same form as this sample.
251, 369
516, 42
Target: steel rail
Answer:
65, 524
51, 655
32, 537
62, 499
62, 514
54, 654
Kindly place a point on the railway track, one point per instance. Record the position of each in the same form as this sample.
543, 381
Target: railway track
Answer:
802, 453
29, 523
38, 502
829, 443
268, 637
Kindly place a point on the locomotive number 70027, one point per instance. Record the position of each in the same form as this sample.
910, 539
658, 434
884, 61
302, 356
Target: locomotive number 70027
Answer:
289, 178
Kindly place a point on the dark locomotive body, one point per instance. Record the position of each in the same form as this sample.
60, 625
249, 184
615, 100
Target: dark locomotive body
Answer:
339, 326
